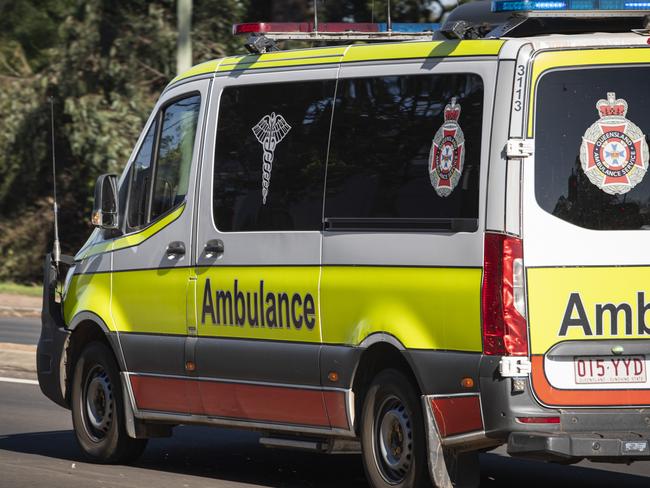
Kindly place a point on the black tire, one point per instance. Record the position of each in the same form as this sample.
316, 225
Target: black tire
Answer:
393, 438
98, 408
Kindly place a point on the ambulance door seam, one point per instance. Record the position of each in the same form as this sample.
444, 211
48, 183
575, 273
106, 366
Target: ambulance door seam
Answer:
195, 216
199, 171
112, 317
322, 232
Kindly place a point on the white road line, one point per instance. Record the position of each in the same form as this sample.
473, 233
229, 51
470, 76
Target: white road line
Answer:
4, 379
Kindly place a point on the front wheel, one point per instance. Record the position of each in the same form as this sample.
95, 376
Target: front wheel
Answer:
392, 433
98, 408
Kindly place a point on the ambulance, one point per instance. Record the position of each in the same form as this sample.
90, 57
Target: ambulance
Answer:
417, 248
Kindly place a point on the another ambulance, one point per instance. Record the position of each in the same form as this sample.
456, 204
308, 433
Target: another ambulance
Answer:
417, 248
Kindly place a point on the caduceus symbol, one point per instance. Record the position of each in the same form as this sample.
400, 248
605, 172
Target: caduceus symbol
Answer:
269, 132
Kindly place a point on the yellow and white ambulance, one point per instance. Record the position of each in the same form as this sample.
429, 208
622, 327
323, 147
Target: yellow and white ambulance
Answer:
418, 248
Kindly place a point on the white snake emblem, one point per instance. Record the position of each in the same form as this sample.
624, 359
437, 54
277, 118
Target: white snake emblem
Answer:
269, 132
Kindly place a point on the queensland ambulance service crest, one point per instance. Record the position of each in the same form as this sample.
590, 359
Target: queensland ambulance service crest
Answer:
447, 154
614, 151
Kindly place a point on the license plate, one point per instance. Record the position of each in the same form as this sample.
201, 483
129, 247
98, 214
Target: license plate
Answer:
609, 369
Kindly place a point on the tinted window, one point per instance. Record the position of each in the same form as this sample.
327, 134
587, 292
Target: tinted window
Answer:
270, 156
141, 181
381, 151
567, 113
175, 154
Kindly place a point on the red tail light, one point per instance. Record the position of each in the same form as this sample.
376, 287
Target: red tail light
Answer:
503, 304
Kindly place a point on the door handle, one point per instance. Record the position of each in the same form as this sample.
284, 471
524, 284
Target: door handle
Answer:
176, 248
214, 247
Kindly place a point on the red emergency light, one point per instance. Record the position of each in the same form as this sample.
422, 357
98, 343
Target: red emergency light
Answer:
331, 27
266, 27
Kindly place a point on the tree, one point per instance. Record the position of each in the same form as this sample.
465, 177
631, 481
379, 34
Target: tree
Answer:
105, 63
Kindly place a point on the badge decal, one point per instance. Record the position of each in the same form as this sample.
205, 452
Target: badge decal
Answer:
270, 130
447, 154
614, 151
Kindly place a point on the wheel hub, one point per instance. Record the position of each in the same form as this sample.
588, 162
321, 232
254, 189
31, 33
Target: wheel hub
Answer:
394, 440
99, 403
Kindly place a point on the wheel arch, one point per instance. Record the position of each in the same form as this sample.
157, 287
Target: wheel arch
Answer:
87, 327
380, 351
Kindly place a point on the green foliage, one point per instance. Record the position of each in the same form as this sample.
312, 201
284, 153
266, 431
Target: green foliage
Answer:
105, 62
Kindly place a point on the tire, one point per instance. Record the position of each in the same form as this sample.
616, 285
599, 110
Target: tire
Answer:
393, 438
98, 408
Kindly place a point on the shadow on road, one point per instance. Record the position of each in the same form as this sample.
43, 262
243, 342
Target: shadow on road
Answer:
219, 454
498, 471
56, 444
236, 456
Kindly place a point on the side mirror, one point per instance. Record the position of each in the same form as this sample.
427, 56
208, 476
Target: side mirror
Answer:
105, 207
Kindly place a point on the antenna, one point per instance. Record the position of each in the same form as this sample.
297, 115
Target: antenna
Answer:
389, 21
56, 247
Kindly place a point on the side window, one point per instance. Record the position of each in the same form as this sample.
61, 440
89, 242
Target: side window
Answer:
270, 156
405, 153
175, 154
141, 181
160, 181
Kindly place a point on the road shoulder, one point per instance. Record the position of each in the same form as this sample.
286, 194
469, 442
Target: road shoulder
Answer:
14, 305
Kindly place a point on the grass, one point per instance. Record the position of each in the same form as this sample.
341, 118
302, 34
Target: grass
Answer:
16, 289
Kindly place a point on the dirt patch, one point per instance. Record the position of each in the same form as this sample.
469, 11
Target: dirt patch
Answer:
17, 360
20, 305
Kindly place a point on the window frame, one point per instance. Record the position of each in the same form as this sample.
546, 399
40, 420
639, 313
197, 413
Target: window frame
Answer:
535, 113
411, 224
397, 225
265, 80
157, 119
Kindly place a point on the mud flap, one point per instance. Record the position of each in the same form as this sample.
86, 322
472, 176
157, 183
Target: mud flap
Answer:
129, 417
449, 468
436, 457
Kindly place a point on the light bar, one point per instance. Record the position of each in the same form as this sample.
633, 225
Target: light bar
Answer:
595, 7
332, 28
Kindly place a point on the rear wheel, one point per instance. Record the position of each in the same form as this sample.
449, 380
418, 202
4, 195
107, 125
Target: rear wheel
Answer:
98, 408
392, 433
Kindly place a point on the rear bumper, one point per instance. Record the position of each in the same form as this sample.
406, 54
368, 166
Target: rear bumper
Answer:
566, 446
50, 352
616, 434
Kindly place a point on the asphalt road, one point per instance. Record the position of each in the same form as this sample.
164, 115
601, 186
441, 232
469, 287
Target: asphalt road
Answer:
20, 330
38, 449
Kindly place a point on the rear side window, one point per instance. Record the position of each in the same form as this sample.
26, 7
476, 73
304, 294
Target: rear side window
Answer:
405, 153
591, 152
270, 156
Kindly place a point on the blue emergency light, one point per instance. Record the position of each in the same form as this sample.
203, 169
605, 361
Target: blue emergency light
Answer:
631, 6
409, 27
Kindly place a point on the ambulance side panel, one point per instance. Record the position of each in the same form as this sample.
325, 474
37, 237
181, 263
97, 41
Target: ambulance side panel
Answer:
420, 287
